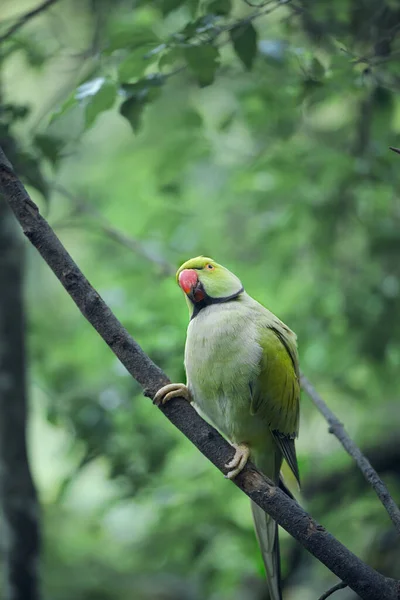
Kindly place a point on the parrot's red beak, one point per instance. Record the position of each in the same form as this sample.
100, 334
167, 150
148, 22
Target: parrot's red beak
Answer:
190, 284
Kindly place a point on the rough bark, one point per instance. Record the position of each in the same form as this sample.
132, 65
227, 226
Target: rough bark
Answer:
18, 500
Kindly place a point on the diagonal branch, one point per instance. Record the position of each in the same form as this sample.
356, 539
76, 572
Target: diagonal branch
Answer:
338, 430
25, 18
335, 426
361, 578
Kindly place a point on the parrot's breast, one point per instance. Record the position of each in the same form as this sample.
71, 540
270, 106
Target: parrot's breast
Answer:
222, 358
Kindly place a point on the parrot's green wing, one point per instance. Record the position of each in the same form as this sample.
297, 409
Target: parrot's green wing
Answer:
276, 391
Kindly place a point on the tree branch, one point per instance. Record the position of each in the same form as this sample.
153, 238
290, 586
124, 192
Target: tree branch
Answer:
336, 427
338, 430
332, 590
361, 578
25, 18
385, 456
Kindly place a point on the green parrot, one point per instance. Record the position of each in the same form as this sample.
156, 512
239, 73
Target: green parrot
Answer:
242, 374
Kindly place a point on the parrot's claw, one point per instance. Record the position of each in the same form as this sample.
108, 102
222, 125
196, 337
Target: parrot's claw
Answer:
238, 462
172, 390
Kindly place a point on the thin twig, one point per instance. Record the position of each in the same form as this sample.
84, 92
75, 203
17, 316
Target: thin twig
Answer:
394, 149
338, 430
332, 590
135, 245
365, 581
264, 10
25, 18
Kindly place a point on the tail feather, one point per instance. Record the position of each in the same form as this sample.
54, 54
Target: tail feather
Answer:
269, 461
268, 539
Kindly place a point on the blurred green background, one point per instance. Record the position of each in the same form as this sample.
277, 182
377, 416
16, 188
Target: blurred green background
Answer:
151, 132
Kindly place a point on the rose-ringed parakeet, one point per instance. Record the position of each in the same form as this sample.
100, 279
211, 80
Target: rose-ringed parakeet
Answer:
242, 374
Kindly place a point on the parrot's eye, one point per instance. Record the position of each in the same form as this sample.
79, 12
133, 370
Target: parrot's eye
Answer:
210, 267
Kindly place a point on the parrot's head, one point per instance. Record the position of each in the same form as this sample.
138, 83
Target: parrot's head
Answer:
205, 282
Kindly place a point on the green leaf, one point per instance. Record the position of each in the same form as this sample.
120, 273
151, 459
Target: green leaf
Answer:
69, 103
244, 41
103, 100
132, 110
135, 64
131, 36
140, 93
171, 57
50, 147
220, 7
203, 61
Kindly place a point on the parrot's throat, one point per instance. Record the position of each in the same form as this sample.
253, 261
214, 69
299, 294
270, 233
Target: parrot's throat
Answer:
207, 300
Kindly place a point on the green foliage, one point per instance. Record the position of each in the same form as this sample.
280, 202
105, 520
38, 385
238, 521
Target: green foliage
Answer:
49, 147
244, 41
203, 62
102, 100
281, 171
139, 94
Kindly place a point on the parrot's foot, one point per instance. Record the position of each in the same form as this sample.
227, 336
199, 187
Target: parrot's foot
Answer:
238, 462
172, 390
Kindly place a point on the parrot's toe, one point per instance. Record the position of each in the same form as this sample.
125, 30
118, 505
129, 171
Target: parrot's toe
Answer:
172, 390
238, 462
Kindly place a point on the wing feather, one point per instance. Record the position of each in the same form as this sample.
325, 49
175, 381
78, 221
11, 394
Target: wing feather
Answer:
275, 393
286, 445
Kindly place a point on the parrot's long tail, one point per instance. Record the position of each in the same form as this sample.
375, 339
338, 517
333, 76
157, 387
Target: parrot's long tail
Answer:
267, 535
269, 461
